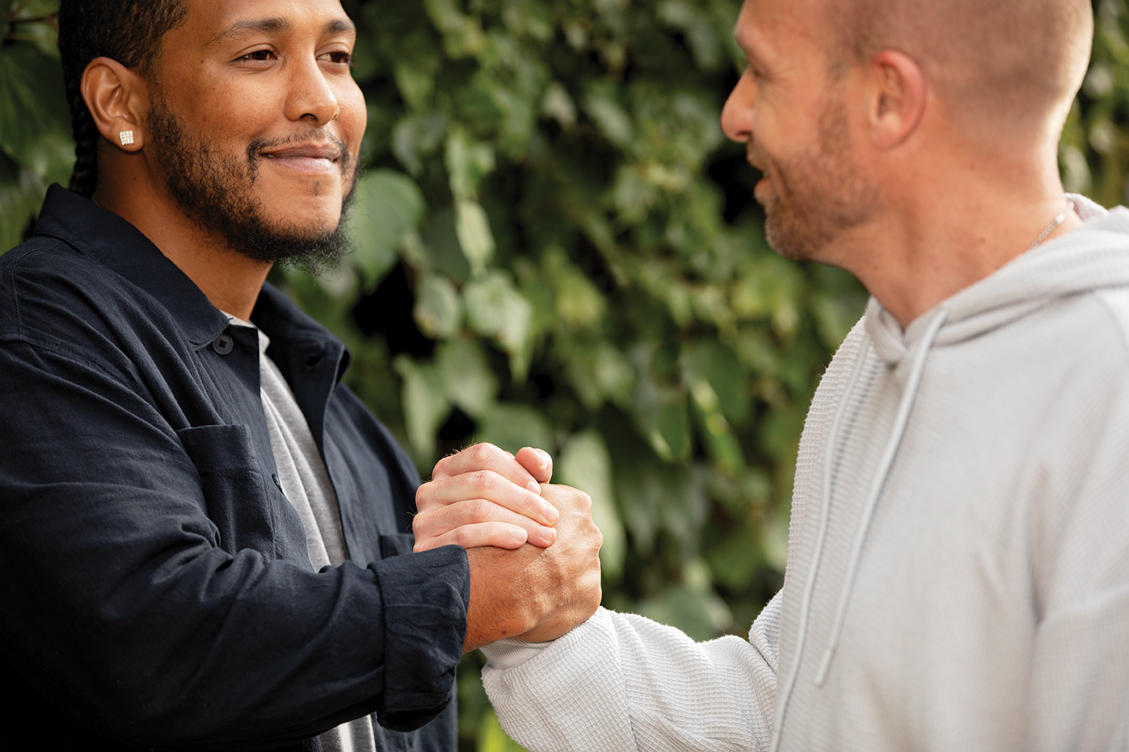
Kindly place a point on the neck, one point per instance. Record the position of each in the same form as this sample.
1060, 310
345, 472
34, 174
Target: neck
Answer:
973, 217
230, 280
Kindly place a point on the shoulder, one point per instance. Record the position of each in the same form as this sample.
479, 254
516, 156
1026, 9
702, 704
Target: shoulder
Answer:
54, 298
1114, 304
45, 282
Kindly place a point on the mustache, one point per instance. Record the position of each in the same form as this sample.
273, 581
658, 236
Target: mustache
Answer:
755, 156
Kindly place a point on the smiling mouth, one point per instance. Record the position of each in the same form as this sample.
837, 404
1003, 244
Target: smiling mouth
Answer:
327, 153
321, 156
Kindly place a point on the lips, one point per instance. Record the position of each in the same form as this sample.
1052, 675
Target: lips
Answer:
305, 151
309, 157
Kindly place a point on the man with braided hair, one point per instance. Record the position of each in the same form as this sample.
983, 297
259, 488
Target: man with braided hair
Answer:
958, 556
205, 538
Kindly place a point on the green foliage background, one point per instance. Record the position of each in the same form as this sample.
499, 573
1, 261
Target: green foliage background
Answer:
555, 246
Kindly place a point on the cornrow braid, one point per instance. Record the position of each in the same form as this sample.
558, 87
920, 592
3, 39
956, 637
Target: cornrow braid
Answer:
128, 31
84, 178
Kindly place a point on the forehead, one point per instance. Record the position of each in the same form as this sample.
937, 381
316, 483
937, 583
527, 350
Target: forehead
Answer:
780, 28
209, 21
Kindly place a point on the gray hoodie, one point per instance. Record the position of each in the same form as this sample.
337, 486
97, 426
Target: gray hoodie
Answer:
958, 561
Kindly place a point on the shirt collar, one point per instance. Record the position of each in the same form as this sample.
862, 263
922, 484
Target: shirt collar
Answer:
115, 243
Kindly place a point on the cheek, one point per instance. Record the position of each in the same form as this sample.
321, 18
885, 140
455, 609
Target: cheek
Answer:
353, 118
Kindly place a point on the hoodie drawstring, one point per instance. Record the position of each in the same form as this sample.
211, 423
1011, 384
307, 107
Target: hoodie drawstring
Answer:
809, 587
900, 423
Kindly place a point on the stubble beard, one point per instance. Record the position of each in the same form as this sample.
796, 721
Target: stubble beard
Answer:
216, 191
817, 194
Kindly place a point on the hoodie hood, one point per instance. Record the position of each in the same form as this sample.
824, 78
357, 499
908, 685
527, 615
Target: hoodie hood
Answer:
1089, 258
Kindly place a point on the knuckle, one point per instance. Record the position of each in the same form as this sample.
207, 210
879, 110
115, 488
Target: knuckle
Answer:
482, 453
440, 469
421, 523
491, 485
479, 509
526, 502
460, 537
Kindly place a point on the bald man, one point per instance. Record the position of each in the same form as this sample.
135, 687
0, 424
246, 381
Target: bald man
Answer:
958, 563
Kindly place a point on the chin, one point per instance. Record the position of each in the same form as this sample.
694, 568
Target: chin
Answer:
311, 215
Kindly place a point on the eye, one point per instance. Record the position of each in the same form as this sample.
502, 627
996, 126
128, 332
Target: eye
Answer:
339, 57
258, 55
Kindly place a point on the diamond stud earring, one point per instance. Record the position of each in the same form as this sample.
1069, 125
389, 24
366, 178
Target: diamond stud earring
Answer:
126, 137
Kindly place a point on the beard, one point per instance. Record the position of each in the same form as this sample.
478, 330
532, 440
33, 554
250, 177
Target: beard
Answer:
817, 194
216, 190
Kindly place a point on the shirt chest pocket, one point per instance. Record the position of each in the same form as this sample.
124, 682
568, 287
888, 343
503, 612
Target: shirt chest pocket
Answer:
241, 498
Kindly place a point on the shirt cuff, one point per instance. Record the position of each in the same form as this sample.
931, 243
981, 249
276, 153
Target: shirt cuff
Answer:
425, 598
511, 653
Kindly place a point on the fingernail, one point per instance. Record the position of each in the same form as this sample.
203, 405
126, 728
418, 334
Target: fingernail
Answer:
545, 459
549, 534
534, 486
550, 513
519, 534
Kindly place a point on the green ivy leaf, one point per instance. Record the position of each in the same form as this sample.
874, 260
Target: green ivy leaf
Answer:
425, 406
467, 164
584, 463
443, 252
32, 104
662, 417
701, 615
470, 382
20, 194
416, 137
654, 495
603, 105
438, 310
512, 427
387, 204
711, 363
496, 309
473, 230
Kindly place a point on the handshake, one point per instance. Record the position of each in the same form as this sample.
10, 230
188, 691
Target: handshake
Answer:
532, 547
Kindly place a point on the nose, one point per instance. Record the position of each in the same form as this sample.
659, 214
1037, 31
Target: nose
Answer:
311, 97
737, 115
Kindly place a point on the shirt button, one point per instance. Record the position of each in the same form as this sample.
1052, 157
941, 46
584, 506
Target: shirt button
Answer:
223, 344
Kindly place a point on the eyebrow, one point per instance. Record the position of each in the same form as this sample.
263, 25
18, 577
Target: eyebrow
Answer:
275, 26
748, 50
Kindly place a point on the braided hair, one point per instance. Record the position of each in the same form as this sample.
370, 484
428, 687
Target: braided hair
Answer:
128, 31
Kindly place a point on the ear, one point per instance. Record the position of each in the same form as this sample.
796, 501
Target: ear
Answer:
897, 98
117, 98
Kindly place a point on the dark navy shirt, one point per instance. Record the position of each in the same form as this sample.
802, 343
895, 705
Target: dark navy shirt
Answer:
155, 590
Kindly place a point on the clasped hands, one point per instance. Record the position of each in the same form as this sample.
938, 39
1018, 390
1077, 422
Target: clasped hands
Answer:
532, 547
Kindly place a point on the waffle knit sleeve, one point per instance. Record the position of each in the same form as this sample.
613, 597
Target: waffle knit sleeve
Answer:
623, 682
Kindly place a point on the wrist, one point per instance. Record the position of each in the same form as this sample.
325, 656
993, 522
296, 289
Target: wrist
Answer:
498, 607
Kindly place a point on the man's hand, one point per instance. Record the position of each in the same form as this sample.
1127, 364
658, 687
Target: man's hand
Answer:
537, 594
484, 496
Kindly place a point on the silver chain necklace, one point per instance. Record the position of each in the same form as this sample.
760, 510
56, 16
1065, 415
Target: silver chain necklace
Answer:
1054, 224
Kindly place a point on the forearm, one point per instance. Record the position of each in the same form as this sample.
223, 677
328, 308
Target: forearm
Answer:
623, 682
220, 651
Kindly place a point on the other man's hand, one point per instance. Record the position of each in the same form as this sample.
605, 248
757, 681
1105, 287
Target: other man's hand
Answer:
537, 594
